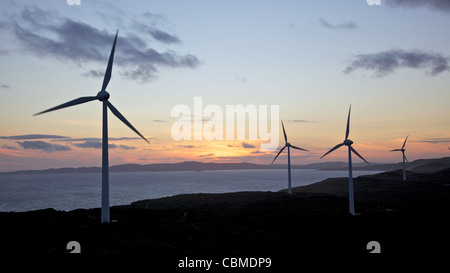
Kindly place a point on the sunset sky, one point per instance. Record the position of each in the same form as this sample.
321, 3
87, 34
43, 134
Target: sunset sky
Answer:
311, 58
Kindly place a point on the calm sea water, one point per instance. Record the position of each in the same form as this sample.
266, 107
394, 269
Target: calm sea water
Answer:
24, 192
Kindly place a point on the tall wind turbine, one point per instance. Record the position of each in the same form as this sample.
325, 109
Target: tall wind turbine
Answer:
289, 146
404, 157
348, 142
102, 96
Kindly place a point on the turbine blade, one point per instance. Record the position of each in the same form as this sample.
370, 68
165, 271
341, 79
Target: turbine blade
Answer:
295, 147
284, 132
278, 154
334, 148
405, 157
110, 64
347, 132
405, 141
356, 153
124, 120
68, 104
395, 150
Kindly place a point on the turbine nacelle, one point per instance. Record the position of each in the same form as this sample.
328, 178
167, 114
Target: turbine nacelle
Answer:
402, 149
102, 95
348, 142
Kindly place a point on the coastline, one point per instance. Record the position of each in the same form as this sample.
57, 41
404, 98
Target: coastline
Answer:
405, 217
25, 192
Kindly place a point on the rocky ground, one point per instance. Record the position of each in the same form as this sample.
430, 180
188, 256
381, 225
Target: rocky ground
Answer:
405, 218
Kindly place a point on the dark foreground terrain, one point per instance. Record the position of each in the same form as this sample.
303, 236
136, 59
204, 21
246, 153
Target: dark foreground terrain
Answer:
405, 218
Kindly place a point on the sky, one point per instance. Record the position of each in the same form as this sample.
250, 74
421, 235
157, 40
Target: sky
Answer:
311, 59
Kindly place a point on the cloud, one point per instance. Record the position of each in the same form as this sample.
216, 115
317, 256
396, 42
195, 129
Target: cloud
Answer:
186, 146
158, 120
94, 74
127, 138
123, 147
34, 136
342, 25
48, 34
10, 147
438, 5
386, 62
434, 140
89, 144
99, 145
148, 25
241, 79
299, 120
247, 146
98, 139
42, 145
163, 36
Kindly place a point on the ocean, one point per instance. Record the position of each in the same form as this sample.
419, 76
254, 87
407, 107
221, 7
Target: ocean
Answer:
25, 192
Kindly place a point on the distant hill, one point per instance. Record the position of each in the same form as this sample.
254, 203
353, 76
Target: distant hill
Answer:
419, 166
158, 167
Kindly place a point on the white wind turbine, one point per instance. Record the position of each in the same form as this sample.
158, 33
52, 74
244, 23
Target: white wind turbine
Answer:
102, 96
289, 146
404, 157
349, 143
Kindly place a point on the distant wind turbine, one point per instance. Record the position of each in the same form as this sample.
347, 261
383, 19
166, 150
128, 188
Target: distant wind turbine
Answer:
348, 143
289, 146
404, 157
102, 96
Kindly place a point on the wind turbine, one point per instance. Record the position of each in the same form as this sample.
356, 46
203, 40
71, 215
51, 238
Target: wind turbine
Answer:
289, 146
404, 157
348, 142
102, 96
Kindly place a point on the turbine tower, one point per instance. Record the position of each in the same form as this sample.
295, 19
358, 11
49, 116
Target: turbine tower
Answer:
289, 146
102, 96
347, 142
404, 157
